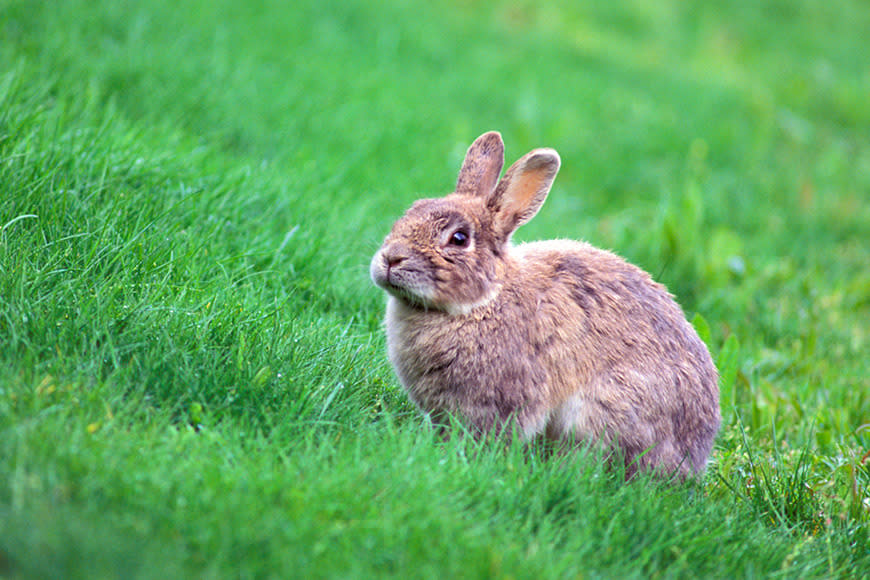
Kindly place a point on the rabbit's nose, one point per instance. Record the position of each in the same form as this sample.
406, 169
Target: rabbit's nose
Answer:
394, 260
394, 255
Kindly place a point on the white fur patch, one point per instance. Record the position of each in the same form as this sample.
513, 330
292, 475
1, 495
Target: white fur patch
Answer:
465, 309
570, 417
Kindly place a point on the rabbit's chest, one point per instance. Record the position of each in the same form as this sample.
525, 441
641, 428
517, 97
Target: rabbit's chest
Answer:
444, 361
424, 343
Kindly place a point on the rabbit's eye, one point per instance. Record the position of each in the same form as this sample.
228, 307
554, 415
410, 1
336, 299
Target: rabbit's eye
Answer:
459, 238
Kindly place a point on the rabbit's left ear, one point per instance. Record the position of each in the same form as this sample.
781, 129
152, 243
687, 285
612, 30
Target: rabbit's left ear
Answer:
482, 165
523, 189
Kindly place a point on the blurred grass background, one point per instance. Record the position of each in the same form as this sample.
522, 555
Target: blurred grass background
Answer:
192, 371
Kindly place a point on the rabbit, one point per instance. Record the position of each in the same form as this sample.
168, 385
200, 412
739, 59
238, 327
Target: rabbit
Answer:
557, 339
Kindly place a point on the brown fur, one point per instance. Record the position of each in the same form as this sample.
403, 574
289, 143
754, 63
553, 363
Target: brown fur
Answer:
567, 340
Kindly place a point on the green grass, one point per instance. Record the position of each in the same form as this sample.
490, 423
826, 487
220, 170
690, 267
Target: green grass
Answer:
192, 372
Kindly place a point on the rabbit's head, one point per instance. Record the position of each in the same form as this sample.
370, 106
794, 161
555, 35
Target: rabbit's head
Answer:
448, 253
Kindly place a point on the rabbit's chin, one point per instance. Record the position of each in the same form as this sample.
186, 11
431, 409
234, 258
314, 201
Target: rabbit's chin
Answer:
408, 298
451, 308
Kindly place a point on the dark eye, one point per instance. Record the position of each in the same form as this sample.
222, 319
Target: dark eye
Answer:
459, 238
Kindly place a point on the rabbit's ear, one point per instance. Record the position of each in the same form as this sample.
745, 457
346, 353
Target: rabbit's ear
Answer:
523, 189
482, 165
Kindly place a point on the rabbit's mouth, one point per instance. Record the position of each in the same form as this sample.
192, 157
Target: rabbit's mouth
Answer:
401, 279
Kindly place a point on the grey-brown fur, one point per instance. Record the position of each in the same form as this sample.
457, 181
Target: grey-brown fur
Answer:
568, 340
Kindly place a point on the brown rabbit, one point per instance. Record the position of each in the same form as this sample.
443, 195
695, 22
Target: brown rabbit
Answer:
564, 339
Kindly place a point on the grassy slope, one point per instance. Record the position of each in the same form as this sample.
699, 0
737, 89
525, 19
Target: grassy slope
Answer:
190, 200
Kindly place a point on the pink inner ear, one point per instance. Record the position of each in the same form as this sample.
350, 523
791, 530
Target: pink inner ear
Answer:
527, 191
526, 187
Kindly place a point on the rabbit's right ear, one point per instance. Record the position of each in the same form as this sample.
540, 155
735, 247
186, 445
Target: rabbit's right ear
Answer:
523, 189
482, 165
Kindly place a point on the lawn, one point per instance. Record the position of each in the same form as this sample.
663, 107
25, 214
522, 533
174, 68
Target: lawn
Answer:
193, 377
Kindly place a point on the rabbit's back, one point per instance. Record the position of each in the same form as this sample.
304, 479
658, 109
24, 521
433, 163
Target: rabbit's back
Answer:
633, 368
